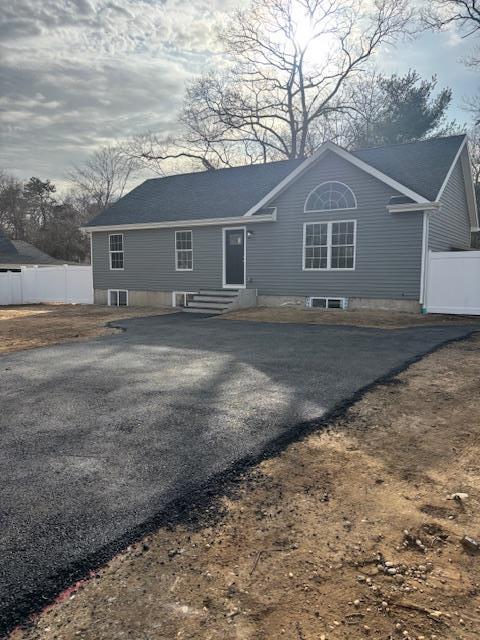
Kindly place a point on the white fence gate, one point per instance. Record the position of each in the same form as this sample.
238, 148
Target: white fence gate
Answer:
63, 283
453, 282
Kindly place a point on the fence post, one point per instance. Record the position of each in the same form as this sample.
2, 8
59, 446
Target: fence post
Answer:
35, 267
65, 274
23, 268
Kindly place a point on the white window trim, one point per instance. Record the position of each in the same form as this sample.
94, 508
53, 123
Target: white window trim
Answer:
329, 246
177, 250
224, 259
184, 293
122, 252
305, 210
117, 290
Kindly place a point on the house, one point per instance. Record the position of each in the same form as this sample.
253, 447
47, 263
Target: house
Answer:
338, 228
17, 253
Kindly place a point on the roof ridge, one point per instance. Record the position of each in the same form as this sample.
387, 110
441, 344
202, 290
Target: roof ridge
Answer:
221, 169
277, 162
404, 144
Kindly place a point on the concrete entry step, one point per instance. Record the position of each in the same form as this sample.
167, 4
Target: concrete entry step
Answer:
224, 293
209, 312
211, 301
207, 305
204, 298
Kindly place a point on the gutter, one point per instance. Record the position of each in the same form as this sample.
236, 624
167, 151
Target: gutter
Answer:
201, 222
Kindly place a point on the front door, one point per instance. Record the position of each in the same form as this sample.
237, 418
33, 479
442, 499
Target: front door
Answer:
234, 258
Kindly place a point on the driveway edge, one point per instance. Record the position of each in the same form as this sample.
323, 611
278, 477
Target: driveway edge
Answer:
191, 508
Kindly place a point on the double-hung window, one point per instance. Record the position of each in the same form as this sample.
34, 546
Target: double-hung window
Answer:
183, 251
329, 245
115, 241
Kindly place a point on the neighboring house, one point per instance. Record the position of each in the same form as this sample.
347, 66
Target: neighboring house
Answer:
354, 228
17, 253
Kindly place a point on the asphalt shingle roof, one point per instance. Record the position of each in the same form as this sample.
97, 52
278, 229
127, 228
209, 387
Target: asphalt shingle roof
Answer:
6, 246
18, 252
191, 196
421, 166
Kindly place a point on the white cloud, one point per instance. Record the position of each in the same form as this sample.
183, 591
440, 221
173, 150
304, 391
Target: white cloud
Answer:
77, 74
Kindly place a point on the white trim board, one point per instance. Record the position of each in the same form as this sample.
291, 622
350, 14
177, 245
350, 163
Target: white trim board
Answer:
330, 146
450, 171
424, 257
466, 161
171, 224
413, 206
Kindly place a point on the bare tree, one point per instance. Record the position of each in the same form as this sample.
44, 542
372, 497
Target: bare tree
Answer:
474, 148
288, 67
464, 14
472, 105
104, 176
12, 206
164, 155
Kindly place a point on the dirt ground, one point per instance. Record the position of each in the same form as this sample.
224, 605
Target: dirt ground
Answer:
40, 325
347, 534
362, 318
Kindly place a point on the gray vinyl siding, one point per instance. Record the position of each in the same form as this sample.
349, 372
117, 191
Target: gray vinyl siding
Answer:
388, 247
450, 226
149, 261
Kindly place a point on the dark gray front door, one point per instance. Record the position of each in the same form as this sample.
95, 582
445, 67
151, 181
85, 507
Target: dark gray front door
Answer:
234, 257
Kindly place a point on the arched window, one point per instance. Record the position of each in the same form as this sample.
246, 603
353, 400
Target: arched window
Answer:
329, 196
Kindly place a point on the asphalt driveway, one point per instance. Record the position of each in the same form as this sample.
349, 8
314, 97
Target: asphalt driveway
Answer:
98, 437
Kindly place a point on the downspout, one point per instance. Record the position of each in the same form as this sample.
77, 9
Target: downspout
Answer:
91, 263
424, 265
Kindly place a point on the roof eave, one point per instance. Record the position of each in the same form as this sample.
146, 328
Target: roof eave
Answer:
463, 154
413, 206
452, 167
170, 224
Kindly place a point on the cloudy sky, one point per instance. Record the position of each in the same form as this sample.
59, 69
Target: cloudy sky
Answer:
77, 74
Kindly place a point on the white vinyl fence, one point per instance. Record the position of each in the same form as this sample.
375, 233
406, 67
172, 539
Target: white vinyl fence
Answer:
453, 282
63, 283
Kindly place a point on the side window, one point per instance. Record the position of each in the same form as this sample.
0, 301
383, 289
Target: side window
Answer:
115, 242
183, 251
